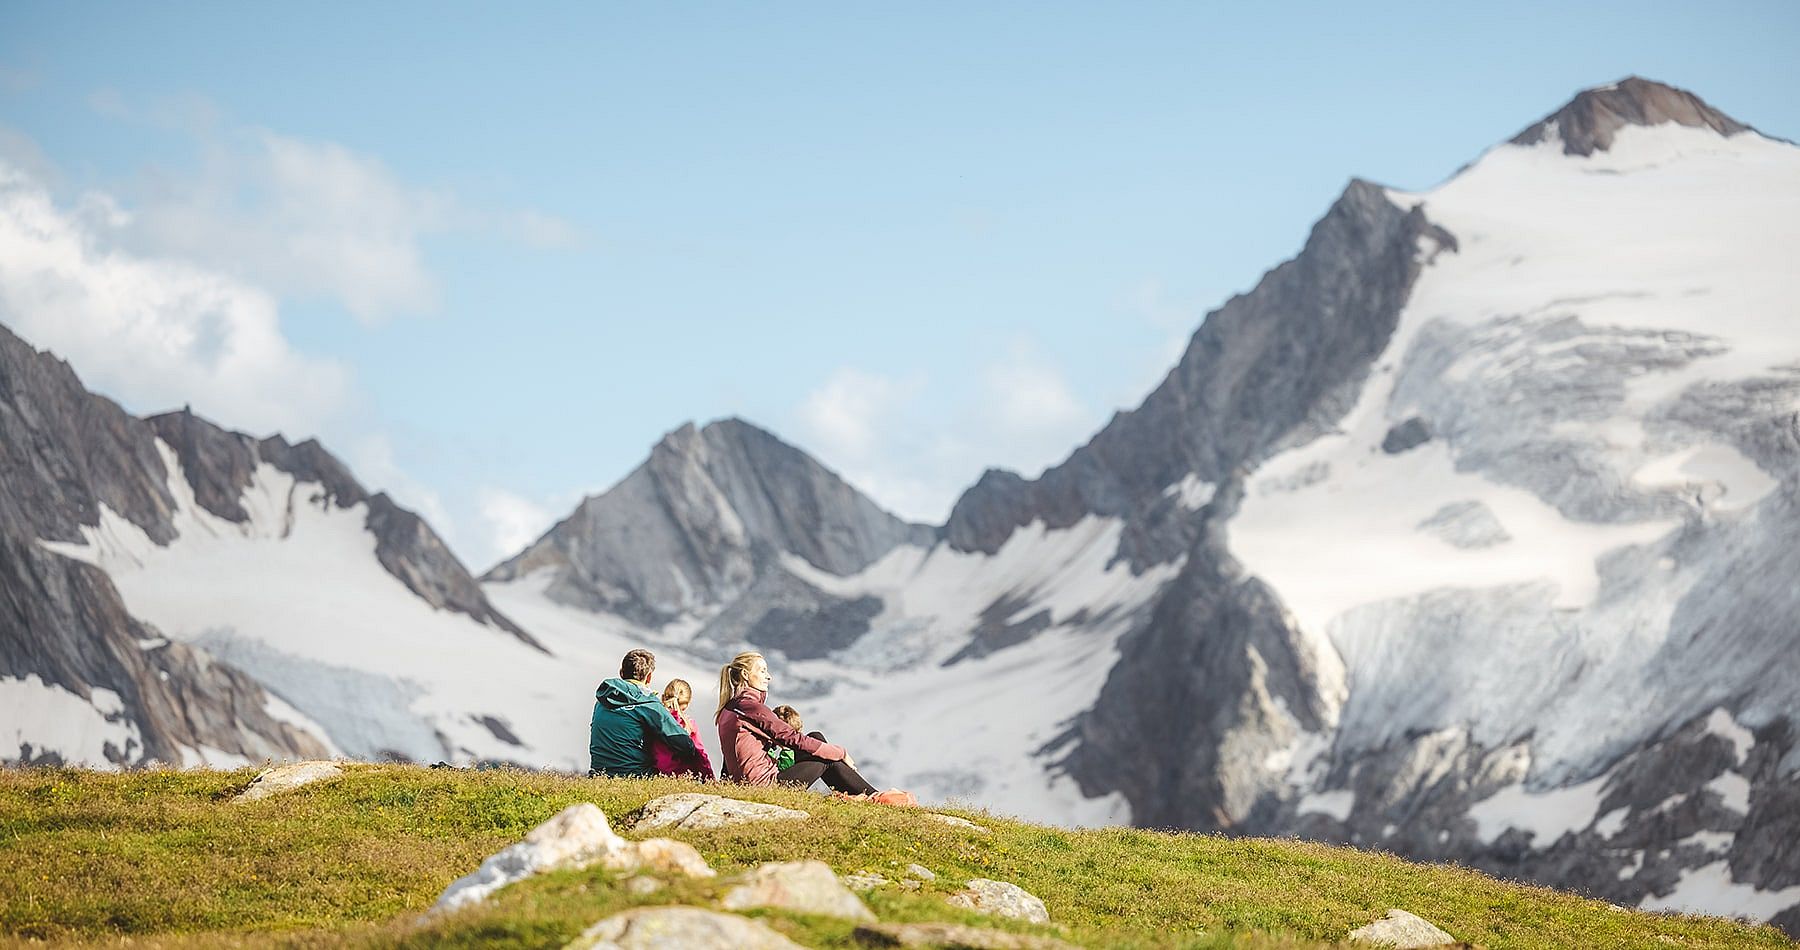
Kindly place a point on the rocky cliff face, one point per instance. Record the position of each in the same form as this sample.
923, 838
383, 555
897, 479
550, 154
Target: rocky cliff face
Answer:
66, 457
695, 526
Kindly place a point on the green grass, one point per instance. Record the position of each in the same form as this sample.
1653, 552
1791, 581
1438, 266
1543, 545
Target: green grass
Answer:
163, 857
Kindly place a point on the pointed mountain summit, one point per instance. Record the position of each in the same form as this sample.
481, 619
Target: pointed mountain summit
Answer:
693, 526
1588, 123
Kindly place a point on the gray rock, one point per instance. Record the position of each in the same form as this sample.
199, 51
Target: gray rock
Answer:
287, 778
694, 811
1002, 900
643, 885
953, 937
579, 836
1588, 123
956, 822
921, 872
1403, 930
656, 928
1469, 525
701, 520
804, 887
865, 881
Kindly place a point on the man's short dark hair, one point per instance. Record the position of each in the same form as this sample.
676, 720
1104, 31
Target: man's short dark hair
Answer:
638, 665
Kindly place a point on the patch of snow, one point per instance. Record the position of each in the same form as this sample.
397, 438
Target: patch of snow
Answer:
1546, 816
279, 710
153, 643
298, 590
49, 718
1610, 823
1192, 492
1718, 842
204, 756
1733, 791
1337, 804
1719, 477
1720, 723
1709, 889
1636, 865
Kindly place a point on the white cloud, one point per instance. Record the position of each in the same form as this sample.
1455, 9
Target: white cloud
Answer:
303, 218
1030, 397
153, 333
914, 448
853, 410
513, 522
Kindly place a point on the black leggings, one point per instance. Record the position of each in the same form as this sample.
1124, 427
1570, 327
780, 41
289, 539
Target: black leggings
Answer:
808, 769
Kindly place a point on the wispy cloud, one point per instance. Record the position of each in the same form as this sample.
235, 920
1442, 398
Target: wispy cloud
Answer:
153, 332
893, 438
512, 521
304, 218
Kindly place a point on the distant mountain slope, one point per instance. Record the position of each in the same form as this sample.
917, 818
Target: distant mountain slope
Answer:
699, 521
1463, 534
206, 533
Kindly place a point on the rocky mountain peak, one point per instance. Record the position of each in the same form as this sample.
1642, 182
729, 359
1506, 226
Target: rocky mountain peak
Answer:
701, 518
1590, 120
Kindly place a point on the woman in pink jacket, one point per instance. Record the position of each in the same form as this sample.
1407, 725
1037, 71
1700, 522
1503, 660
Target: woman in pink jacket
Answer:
747, 727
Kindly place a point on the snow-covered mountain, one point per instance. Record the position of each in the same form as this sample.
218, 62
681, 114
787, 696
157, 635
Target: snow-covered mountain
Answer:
1465, 534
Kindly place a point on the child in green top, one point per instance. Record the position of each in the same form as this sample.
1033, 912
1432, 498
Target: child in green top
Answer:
783, 755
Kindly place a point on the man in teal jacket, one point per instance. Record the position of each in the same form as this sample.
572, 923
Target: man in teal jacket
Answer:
626, 716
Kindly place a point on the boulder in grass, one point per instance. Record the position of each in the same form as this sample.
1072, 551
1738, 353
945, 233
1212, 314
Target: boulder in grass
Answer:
693, 811
579, 836
921, 872
804, 887
956, 822
653, 928
283, 778
952, 935
865, 881
1002, 900
1403, 930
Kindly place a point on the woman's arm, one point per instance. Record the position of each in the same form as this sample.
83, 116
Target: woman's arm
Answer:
764, 719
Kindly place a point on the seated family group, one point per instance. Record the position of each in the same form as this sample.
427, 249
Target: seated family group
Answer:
635, 733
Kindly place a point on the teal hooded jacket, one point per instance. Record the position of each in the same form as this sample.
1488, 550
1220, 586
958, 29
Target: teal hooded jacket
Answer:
626, 716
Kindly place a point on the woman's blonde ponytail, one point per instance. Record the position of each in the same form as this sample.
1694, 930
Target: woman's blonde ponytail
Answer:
732, 677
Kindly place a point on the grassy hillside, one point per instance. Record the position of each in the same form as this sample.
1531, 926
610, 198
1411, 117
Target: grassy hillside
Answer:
164, 857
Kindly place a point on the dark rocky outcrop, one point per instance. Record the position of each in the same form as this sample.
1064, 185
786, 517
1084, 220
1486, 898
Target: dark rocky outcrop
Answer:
1588, 123
1269, 368
708, 513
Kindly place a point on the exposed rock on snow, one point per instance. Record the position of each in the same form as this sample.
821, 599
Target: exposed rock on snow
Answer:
805, 887
693, 811
960, 936
287, 778
578, 836
1002, 900
656, 928
1403, 930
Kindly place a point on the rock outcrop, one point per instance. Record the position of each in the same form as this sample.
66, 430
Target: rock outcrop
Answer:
286, 778
696, 525
579, 836
1002, 900
656, 928
694, 811
804, 887
1404, 930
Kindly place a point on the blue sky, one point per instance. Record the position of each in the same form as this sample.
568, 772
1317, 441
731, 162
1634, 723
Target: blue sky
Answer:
490, 256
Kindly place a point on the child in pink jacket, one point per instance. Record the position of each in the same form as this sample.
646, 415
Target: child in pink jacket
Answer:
676, 697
